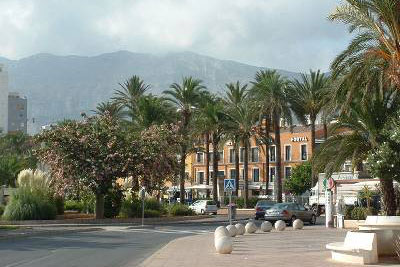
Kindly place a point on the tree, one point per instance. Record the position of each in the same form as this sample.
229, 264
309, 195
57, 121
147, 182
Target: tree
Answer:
235, 95
129, 94
94, 151
307, 98
114, 109
243, 118
153, 110
376, 42
300, 181
269, 88
186, 97
360, 132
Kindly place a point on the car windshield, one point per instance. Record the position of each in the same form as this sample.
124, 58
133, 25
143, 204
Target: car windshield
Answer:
264, 203
210, 202
280, 206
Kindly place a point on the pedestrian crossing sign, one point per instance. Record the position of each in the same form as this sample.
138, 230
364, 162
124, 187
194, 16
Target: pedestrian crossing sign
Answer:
229, 185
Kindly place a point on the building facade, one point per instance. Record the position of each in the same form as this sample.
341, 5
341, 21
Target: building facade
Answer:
3, 99
295, 149
17, 113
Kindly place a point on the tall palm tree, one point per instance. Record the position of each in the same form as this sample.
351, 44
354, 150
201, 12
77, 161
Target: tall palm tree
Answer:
235, 96
153, 110
130, 93
270, 91
185, 97
243, 117
363, 124
307, 96
376, 43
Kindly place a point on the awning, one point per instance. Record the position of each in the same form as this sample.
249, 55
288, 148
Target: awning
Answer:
201, 187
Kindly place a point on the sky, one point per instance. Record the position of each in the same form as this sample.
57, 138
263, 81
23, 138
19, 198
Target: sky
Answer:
293, 35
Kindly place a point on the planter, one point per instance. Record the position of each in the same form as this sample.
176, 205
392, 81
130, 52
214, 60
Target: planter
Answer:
352, 224
387, 228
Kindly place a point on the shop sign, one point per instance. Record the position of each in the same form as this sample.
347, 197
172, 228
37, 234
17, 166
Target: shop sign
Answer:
299, 139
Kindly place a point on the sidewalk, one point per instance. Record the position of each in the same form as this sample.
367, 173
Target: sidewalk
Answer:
288, 248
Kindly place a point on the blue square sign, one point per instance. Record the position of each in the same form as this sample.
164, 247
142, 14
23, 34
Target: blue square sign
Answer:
229, 185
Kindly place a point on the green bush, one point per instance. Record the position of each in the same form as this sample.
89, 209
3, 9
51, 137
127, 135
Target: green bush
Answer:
1, 210
151, 213
32, 199
251, 202
152, 204
73, 205
131, 208
59, 202
360, 213
179, 209
113, 202
347, 212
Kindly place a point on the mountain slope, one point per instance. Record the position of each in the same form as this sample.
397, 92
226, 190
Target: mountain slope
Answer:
61, 87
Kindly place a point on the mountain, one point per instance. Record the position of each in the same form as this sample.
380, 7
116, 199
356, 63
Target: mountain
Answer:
59, 87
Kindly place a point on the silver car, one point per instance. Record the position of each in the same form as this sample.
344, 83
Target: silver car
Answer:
289, 212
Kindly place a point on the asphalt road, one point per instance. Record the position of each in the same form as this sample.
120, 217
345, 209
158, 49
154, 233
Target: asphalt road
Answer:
115, 246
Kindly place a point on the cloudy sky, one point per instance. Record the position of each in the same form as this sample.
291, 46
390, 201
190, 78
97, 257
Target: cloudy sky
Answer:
287, 34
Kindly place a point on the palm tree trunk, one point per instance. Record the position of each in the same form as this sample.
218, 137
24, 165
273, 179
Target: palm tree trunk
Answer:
266, 155
389, 198
237, 170
246, 172
99, 206
215, 166
314, 177
278, 180
325, 130
207, 172
182, 174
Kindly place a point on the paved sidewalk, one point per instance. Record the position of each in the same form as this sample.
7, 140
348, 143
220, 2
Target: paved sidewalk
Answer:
288, 248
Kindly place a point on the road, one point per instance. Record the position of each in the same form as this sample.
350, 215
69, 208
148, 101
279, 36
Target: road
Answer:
115, 246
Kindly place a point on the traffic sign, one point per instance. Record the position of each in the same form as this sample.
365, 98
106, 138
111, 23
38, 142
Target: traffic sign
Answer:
229, 185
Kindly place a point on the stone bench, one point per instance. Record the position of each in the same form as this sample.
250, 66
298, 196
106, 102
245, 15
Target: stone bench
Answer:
358, 247
387, 228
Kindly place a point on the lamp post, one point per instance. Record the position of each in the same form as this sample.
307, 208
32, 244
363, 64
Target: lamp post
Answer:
142, 195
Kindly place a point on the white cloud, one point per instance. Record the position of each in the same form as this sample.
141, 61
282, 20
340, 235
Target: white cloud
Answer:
287, 34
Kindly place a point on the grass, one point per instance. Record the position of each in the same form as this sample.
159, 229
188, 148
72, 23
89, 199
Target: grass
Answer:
8, 227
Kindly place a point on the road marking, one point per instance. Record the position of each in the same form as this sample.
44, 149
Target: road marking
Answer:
165, 231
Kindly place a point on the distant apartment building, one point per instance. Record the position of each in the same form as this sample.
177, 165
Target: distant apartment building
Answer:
295, 149
17, 113
3, 99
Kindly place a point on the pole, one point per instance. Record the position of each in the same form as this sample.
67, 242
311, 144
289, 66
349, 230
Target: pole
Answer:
328, 209
142, 194
230, 207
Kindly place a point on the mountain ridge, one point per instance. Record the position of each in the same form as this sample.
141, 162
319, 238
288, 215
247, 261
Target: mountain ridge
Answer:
59, 87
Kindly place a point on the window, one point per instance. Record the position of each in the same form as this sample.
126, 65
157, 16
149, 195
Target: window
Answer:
272, 154
211, 156
256, 175
221, 174
303, 151
288, 172
232, 174
199, 157
254, 154
200, 177
241, 154
288, 153
231, 155
221, 156
242, 174
272, 172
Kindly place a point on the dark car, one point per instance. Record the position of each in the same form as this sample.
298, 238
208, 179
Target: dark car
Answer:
261, 207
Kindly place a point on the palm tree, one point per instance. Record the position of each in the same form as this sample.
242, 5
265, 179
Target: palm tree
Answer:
376, 43
130, 93
153, 110
242, 119
307, 97
269, 90
363, 124
112, 109
185, 97
235, 96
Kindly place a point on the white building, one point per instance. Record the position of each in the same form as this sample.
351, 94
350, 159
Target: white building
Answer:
3, 99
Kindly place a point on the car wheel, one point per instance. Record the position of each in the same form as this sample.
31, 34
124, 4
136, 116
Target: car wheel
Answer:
256, 218
313, 219
215, 213
202, 212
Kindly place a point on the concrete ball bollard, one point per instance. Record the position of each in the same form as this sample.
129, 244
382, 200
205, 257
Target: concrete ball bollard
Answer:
223, 245
298, 224
266, 226
232, 230
280, 225
251, 228
240, 229
220, 232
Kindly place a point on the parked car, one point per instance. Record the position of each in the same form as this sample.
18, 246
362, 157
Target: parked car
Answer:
204, 207
289, 212
261, 207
